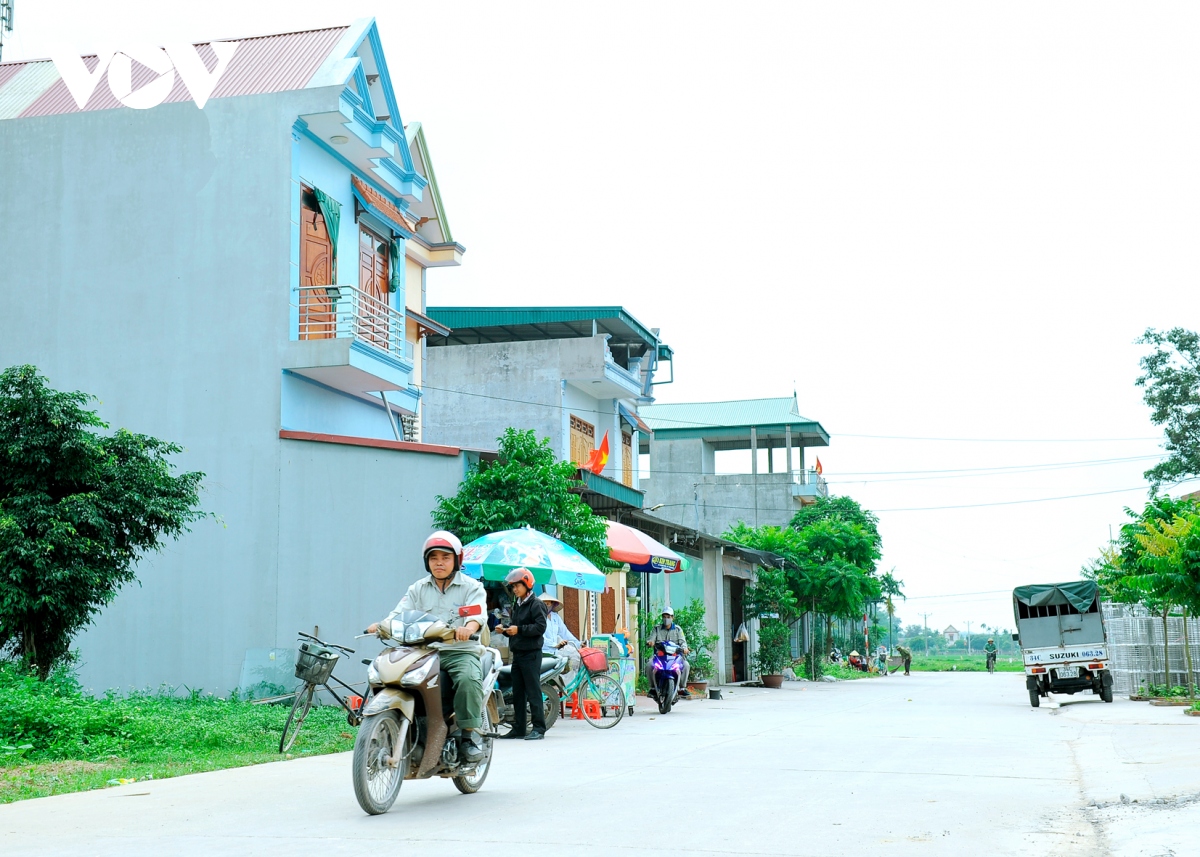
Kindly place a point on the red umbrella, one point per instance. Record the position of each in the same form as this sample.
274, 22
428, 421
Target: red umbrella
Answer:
625, 544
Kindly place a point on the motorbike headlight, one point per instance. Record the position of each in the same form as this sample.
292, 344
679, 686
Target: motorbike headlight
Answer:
412, 634
415, 677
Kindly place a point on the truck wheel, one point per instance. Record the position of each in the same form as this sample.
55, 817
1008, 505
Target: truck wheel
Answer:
1034, 699
1106, 693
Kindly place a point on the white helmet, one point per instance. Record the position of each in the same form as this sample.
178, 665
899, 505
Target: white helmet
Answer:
443, 541
667, 611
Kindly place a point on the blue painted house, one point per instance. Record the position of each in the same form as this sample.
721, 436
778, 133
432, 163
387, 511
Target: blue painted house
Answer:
246, 279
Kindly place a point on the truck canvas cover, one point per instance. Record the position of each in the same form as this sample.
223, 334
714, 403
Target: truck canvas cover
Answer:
1078, 593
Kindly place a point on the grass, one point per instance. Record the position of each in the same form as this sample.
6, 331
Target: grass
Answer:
1161, 691
56, 739
964, 663
844, 672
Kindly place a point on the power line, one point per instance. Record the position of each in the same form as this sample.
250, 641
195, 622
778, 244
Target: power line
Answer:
559, 407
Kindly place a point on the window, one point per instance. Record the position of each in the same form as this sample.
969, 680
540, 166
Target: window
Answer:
583, 440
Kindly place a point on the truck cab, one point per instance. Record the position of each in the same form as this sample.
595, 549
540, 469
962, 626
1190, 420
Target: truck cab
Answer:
1061, 634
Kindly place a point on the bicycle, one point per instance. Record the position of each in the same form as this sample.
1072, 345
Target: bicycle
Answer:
314, 666
597, 695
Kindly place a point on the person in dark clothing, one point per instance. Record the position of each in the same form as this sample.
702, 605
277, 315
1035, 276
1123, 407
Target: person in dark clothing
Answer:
525, 631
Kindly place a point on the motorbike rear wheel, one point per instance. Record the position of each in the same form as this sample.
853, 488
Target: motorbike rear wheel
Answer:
300, 708
380, 761
472, 783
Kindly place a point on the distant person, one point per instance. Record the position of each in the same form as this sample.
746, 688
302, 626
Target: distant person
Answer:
906, 655
990, 650
558, 635
668, 632
881, 657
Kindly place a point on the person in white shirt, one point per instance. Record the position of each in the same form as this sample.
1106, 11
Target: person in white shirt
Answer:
557, 633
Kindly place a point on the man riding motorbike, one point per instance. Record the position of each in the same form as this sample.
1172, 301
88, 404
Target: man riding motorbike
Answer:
461, 603
668, 631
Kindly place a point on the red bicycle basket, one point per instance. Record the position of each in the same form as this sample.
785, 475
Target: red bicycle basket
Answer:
594, 660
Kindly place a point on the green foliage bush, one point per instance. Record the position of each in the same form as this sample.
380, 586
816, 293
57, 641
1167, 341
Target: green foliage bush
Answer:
774, 652
62, 722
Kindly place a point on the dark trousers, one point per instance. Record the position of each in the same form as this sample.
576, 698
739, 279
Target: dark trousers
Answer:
527, 690
907, 664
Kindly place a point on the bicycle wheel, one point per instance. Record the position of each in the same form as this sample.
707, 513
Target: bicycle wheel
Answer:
602, 701
300, 707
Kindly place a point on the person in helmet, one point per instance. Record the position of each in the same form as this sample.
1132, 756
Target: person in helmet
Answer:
460, 602
668, 631
990, 650
525, 630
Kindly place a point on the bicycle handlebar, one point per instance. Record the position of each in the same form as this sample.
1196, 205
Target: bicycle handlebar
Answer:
345, 649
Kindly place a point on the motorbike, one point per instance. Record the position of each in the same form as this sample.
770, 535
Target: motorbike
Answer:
409, 730
666, 669
553, 690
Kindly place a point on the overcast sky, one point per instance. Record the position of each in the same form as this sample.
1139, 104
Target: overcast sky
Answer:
936, 220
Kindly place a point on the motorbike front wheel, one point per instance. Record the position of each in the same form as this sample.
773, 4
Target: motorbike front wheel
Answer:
380, 761
667, 698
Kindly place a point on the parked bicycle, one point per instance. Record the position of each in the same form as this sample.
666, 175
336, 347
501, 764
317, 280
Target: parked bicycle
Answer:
598, 696
315, 661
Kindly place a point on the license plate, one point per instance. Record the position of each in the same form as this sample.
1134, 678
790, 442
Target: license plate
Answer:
1067, 672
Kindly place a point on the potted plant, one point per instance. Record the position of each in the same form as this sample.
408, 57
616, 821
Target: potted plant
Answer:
771, 599
691, 621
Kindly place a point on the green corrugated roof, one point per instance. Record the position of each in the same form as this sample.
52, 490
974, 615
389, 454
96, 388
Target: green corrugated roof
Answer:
728, 420
471, 325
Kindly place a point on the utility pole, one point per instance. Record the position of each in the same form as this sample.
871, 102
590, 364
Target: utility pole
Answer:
968, 637
925, 618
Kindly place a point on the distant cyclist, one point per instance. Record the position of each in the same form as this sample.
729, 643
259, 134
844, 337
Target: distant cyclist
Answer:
990, 650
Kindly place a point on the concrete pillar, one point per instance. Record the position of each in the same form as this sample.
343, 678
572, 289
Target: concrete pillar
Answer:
754, 451
787, 442
770, 458
802, 468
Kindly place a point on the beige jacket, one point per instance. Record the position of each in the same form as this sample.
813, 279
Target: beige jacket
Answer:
463, 591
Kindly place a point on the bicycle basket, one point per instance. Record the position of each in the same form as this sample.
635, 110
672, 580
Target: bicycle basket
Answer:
594, 660
315, 663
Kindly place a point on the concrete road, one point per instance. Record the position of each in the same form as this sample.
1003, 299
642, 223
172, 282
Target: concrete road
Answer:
931, 764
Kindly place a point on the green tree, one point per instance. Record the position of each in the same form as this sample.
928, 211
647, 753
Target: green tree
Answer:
845, 509
770, 598
1171, 556
78, 509
526, 486
1171, 388
1119, 570
891, 588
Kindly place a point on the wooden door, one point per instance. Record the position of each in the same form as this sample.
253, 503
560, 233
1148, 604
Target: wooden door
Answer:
627, 458
583, 440
373, 283
317, 310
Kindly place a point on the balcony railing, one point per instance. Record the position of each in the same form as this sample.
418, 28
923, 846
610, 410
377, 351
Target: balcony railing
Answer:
346, 312
806, 483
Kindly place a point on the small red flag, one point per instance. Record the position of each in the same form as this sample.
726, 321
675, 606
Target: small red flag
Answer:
819, 468
599, 457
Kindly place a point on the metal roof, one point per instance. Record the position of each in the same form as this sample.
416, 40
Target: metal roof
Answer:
728, 424
475, 325
261, 64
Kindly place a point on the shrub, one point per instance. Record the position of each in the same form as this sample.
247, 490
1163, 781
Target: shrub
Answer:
774, 647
